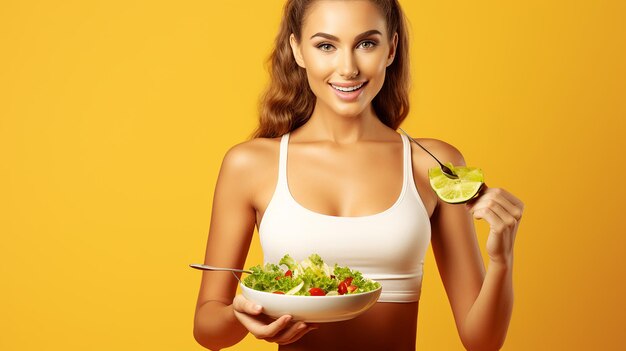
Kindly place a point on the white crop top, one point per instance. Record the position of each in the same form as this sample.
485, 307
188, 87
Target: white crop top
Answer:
388, 246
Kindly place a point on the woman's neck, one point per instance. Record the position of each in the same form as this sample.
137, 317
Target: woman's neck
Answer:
326, 124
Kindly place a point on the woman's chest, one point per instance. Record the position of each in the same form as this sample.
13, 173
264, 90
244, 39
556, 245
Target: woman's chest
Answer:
350, 183
345, 181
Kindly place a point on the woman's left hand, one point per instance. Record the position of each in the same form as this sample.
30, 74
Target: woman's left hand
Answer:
503, 212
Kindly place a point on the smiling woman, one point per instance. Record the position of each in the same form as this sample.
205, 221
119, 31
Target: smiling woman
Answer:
353, 63
334, 177
291, 97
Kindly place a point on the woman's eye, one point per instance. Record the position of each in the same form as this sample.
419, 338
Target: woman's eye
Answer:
367, 44
325, 47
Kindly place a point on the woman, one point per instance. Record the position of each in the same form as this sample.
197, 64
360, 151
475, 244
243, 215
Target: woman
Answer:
356, 192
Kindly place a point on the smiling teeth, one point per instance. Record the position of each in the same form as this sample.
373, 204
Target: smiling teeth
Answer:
348, 89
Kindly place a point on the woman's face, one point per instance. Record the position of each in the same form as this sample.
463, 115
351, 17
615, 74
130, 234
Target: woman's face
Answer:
345, 49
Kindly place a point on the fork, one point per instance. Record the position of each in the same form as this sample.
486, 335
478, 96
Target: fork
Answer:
446, 171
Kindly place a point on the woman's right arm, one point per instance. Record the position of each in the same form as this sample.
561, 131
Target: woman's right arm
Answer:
231, 229
221, 319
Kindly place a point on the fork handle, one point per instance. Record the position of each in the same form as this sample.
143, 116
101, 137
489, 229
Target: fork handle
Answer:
205, 267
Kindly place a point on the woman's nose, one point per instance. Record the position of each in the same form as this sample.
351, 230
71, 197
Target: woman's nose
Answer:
348, 67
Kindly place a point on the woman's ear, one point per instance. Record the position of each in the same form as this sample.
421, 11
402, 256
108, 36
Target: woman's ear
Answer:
392, 49
295, 48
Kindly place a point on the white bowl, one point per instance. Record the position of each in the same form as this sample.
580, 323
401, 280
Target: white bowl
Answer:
316, 309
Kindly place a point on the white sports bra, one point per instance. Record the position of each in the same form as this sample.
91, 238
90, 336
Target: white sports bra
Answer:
388, 246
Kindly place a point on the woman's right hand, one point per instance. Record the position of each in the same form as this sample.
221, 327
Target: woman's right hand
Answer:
281, 331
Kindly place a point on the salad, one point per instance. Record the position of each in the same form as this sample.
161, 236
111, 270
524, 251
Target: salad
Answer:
311, 277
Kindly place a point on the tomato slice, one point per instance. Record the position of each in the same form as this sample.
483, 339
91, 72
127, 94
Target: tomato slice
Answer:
288, 273
351, 288
348, 281
279, 292
317, 292
342, 288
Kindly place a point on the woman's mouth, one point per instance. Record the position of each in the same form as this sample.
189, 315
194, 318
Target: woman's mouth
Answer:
347, 89
348, 92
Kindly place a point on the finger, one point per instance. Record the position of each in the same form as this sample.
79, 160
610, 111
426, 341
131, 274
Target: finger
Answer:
486, 213
517, 203
288, 333
496, 216
514, 200
495, 196
301, 334
506, 217
241, 304
252, 323
270, 330
499, 192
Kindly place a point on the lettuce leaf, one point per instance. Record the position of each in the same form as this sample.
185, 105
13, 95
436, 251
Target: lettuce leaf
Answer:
312, 272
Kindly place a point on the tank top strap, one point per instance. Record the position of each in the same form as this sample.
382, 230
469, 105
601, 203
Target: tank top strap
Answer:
407, 172
408, 166
282, 162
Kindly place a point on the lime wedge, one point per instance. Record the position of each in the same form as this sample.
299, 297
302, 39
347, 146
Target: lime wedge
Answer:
456, 191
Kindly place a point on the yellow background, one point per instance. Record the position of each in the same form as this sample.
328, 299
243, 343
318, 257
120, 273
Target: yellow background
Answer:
115, 115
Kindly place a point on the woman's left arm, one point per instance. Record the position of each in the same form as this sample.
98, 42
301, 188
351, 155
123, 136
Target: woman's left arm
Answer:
481, 301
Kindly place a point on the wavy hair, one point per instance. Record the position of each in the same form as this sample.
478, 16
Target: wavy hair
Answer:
288, 101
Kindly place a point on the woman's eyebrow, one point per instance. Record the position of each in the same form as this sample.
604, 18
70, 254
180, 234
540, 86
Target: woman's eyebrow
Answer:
358, 37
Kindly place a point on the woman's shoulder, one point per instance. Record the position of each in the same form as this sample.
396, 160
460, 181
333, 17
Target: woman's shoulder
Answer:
251, 154
247, 171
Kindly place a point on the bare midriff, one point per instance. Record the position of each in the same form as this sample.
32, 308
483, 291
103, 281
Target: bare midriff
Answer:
386, 326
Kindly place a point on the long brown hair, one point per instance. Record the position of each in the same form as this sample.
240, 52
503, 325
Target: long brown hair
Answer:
288, 101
